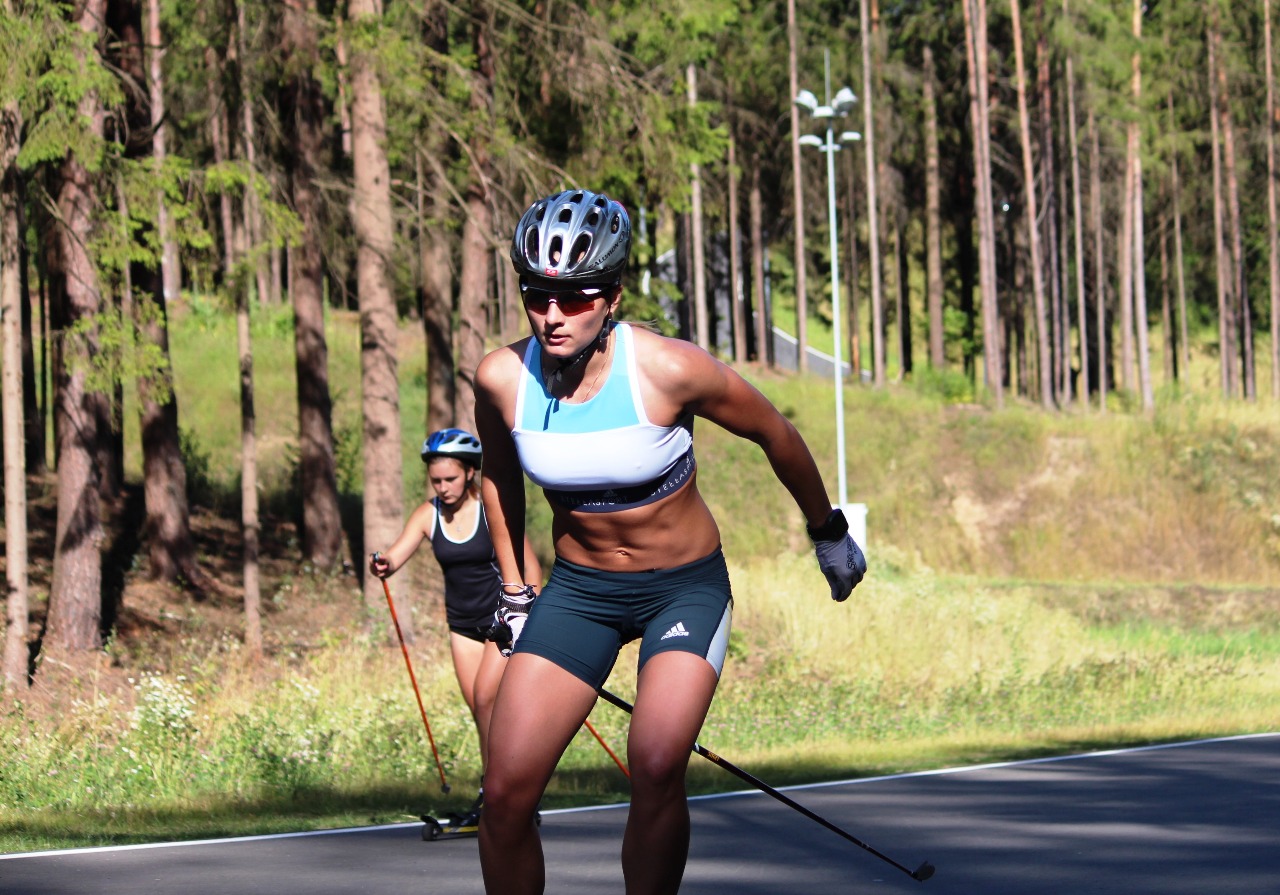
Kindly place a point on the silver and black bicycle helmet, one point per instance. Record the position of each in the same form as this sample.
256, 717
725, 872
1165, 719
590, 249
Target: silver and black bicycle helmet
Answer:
457, 444
572, 240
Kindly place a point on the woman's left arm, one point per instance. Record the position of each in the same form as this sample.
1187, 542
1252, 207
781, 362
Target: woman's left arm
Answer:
700, 383
696, 381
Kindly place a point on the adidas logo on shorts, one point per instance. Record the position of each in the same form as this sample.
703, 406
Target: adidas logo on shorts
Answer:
677, 630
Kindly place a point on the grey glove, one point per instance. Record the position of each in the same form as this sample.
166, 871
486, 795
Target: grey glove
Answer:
839, 557
509, 618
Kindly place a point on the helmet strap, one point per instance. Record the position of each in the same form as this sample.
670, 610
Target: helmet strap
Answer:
597, 344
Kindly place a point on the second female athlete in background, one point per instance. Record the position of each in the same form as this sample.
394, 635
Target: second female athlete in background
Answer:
454, 522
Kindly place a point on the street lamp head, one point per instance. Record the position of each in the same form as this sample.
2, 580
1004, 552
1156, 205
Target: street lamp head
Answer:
850, 136
811, 140
807, 101
844, 102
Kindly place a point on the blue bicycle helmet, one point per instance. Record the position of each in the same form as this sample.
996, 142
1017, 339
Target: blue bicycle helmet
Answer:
572, 240
457, 444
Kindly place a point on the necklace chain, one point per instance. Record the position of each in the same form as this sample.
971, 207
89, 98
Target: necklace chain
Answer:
608, 354
557, 377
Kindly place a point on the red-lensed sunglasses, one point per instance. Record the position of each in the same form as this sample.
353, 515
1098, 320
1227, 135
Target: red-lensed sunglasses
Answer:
571, 304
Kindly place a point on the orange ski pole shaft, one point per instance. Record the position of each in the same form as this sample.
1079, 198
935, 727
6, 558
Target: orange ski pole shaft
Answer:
616, 759
444, 784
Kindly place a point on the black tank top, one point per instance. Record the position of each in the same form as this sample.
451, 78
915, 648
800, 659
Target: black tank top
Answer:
471, 579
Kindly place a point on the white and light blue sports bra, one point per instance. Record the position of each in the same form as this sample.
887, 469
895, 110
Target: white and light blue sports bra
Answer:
604, 454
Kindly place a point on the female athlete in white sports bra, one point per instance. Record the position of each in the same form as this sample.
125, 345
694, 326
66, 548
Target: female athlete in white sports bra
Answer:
601, 416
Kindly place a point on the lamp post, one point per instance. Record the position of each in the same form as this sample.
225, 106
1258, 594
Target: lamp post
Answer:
836, 107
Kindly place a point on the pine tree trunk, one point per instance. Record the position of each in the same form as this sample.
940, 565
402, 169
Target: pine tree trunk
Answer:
1044, 359
170, 261
254, 226
736, 296
437, 305
764, 326
902, 255
1139, 231
1226, 316
15, 466
1053, 260
380, 398
476, 265
304, 123
797, 182
878, 366
701, 325
473, 295
35, 384
249, 522
1099, 259
1170, 350
221, 152
1073, 137
933, 217
1184, 342
1241, 310
1062, 298
170, 546
975, 20
75, 594
1124, 265
1273, 222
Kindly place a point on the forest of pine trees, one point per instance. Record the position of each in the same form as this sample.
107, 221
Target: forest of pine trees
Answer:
1078, 188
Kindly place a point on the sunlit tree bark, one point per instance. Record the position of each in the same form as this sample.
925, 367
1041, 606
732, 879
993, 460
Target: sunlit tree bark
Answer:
380, 387
797, 184
1044, 360
15, 465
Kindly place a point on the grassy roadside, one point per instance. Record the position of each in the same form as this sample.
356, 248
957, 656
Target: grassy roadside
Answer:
1040, 585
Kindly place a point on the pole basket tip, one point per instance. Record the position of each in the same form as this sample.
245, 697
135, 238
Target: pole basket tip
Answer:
923, 872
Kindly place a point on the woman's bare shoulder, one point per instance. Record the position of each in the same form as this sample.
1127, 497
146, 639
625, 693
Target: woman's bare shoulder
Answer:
500, 366
679, 368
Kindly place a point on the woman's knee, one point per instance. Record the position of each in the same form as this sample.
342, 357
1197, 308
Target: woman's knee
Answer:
658, 767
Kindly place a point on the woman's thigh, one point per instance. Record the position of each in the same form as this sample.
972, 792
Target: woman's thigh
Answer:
673, 695
540, 707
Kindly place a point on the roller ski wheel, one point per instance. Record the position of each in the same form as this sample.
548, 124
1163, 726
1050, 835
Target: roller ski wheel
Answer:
450, 826
456, 826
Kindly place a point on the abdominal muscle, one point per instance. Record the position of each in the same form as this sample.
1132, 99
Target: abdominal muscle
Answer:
671, 532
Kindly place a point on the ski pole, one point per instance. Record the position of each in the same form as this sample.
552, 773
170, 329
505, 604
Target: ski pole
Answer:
444, 785
920, 874
615, 758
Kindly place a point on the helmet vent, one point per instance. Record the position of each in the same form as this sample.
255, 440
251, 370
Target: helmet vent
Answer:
593, 217
615, 224
554, 250
581, 246
566, 215
531, 245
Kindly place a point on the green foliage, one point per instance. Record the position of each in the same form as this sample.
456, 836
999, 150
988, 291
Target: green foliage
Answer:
50, 68
949, 385
109, 347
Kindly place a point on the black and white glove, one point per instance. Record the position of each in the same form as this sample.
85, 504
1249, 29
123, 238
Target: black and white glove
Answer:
839, 557
510, 616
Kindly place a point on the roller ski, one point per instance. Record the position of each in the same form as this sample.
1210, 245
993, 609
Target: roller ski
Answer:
450, 826
457, 826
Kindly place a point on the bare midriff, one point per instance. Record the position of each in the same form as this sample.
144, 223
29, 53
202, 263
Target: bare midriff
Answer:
671, 532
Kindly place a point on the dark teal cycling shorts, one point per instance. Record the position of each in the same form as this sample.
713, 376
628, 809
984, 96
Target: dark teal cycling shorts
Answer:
584, 616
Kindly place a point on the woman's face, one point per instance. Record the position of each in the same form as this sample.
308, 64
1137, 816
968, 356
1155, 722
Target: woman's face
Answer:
566, 322
449, 479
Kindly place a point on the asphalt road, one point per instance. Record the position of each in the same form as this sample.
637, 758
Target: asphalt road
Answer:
1197, 818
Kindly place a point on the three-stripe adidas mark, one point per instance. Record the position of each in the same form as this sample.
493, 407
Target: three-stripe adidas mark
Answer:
677, 630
